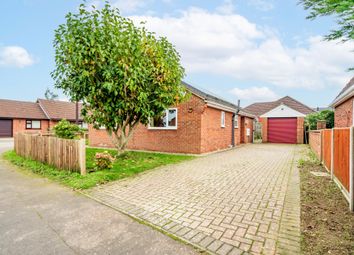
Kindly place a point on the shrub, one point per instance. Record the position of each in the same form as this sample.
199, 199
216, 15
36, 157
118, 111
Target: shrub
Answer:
64, 129
103, 160
327, 115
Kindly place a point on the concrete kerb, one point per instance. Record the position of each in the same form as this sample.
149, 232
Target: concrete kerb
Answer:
174, 153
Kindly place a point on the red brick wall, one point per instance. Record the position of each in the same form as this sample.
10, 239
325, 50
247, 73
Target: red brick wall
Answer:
264, 122
315, 142
199, 131
19, 125
213, 136
237, 132
343, 114
248, 123
300, 130
186, 139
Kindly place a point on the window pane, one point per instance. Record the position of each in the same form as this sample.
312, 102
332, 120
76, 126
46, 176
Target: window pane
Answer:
36, 124
172, 118
222, 119
160, 121
28, 124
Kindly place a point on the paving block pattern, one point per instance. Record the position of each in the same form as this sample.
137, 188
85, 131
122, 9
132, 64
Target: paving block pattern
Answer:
234, 202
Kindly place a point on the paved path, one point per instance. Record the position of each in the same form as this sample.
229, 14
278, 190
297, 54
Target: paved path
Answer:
40, 217
240, 201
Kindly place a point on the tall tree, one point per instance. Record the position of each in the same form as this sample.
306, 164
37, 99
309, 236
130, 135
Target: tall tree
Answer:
50, 95
342, 9
123, 74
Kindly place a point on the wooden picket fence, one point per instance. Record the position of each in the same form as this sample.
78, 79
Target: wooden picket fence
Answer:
63, 154
337, 155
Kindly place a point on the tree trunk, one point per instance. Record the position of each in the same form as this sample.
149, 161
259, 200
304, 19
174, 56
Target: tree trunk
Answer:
121, 137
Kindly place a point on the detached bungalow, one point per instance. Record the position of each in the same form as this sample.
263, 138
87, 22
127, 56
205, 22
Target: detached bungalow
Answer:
204, 123
344, 107
30, 117
282, 120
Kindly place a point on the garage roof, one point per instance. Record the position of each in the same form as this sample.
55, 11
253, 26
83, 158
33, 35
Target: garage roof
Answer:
259, 109
20, 110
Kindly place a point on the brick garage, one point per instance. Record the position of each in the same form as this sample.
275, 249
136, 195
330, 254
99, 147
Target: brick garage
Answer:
282, 120
343, 106
199, 128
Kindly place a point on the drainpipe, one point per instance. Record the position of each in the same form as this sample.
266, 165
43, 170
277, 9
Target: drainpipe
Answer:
77, 113
234, 115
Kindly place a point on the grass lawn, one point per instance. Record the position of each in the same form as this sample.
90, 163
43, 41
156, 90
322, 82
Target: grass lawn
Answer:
327, 226
128, 164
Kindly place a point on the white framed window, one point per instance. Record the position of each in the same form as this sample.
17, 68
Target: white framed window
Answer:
222, 119
168, 120
33, 124
236, 122
83, 125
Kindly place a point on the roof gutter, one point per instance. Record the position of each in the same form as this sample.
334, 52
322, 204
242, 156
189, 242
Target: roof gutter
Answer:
345, 96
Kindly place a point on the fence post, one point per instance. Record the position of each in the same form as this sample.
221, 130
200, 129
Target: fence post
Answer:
351, 170
332, 153
82, 156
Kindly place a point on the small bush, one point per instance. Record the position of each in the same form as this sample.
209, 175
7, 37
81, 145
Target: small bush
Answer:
64, 129
103, 160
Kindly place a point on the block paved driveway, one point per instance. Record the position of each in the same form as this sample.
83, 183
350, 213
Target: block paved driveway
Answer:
243, 201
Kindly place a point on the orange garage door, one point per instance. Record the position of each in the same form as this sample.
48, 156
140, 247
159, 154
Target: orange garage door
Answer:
282, 130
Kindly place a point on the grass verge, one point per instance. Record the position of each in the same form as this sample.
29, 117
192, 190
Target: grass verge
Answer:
126, 165
327, 226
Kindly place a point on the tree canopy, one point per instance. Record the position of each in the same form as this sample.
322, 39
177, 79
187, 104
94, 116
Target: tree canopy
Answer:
50, 95
327, 115
342, 9
123, 74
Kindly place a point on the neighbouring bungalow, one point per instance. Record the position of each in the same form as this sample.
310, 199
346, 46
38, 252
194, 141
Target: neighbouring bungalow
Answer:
344, 107
204, 123
34, 117
282, 120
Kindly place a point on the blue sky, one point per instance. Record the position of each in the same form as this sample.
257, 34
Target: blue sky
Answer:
255, 50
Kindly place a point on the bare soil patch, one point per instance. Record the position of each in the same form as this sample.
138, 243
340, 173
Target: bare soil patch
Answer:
327, 225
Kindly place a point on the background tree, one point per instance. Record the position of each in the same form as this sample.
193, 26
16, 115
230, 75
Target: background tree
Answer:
50, 95
342, 9
123, 74
327, 115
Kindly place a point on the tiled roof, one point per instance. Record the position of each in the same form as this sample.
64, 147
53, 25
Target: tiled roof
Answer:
259, 109
57, 110
20, 110
215, 99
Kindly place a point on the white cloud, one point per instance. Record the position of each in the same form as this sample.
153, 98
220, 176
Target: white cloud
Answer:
226, 8
255, 94
231, 45
15, 56
128, 6
263, 5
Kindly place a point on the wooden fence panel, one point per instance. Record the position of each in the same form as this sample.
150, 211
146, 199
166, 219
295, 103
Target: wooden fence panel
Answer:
326, 148
62, 153
341, 158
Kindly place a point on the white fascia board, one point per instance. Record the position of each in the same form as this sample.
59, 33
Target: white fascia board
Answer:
282, 111
220, 106
344, 97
